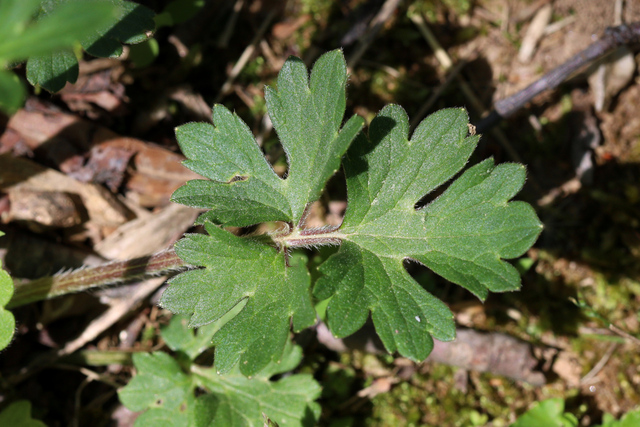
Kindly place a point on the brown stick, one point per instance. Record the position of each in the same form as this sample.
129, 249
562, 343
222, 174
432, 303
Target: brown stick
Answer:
612, 38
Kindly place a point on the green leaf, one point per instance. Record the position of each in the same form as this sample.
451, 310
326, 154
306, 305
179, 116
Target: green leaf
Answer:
78, 18
630, 419
307, 114
160, 383
116, 22
52, 71
14, 17
20, 38
131, 25
12, 92
7, 321
162, 387
549, 412
166, 392
179, 337
242, 401
462, 235
19, 414
242, 188
275, 295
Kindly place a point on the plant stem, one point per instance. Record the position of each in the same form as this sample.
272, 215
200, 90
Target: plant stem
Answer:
159, 264
94, 277
309, 237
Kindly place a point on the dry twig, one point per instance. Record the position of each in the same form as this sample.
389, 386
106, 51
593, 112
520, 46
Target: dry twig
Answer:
610, 40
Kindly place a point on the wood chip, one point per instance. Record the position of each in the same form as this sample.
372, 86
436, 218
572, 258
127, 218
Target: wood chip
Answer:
610, 76
534, 33
145, 236
61, 138
103, 209
48, 209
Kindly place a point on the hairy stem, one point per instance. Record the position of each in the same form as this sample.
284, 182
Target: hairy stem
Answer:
159, 264
94, 277
309, 237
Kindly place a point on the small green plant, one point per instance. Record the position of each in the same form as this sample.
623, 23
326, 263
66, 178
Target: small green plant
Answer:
98, 25
21, 37
130, 23
180, 392
463, 235
245, 293
550, 412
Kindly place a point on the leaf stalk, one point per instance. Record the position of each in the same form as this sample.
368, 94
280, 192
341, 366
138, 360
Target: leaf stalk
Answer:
308, 237
85, 279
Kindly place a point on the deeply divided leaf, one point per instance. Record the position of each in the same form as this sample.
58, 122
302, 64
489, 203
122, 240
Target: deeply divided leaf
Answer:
242, 188
462, 235
307, 116
237, 269
166, 390
288, 401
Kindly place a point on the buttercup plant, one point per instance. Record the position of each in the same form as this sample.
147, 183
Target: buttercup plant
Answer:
464, 235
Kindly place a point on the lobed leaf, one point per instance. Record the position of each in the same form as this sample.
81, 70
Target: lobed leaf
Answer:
237, 269
462, 235
160, 383
242, 188
161, 389
165, 390
307, 114
242, 401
